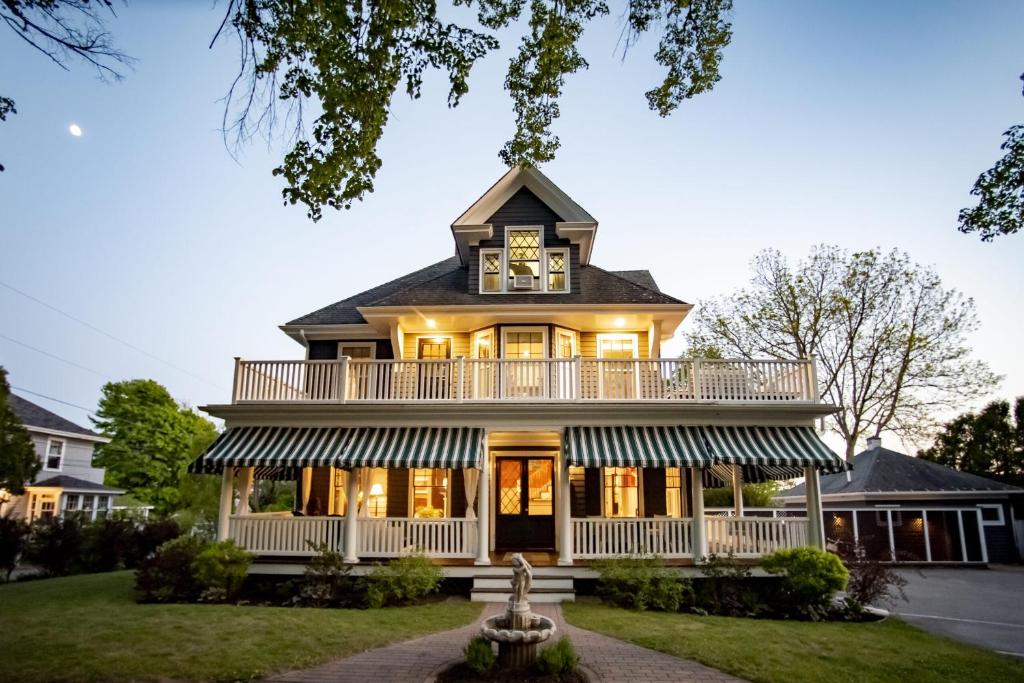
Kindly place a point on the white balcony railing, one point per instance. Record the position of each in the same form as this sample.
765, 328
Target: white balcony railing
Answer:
433, 537
594, 538
266, 535
556, 379
754, 536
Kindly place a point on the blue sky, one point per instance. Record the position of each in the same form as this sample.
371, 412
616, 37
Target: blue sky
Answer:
859, 123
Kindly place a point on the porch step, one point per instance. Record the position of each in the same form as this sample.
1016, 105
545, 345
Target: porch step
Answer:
545, 588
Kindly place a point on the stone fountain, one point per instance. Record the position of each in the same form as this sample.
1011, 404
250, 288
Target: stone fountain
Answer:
518, 631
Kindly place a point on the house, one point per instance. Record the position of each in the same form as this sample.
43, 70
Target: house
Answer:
67, 481
512, 397
907, 509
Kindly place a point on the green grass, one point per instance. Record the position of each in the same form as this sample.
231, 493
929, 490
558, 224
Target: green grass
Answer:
89, 628
767, 651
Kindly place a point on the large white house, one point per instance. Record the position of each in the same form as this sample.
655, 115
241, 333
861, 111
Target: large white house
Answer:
513, 397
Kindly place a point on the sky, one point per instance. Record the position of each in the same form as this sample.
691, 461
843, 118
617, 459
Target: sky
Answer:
861, 124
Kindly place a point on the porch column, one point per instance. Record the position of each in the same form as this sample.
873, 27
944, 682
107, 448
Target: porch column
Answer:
699, 535
815, 535
483, 517
226, 495
737, 490
245, 490
351, 517
564, 513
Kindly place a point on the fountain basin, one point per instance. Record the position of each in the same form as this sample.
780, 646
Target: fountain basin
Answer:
518, 636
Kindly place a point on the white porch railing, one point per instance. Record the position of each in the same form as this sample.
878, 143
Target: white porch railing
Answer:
553, 379
754, 536
397, 536
286, 535
597, 538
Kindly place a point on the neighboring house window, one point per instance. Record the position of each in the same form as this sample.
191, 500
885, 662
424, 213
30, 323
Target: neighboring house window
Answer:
46, 509
621, 492
490, 271
54, 454
673, 486
70, 502
558, 270
102, 506
880, 518
429, 492
524, 248
87, 503
991, 514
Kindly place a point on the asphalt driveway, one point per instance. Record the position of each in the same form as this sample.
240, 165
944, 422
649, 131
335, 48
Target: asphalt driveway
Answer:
980, 606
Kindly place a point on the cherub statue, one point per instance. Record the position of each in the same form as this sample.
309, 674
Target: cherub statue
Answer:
522, 578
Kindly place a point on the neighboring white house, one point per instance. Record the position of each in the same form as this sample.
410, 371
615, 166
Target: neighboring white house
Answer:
67, 481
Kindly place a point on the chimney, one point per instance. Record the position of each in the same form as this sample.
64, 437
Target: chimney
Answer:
874, 442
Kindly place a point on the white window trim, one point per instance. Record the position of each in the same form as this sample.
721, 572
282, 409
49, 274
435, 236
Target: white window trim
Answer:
574, 345
524, 328
996, 506
539, 229
882, 517
640, 513
436, 338
502, 275
63, 454
546, 275
483, 334
447, 490
618, 336
503, 268
361, 345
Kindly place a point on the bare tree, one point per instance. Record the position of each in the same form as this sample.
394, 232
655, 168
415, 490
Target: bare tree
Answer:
889, 339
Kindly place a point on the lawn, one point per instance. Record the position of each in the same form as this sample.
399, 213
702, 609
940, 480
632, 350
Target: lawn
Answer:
89, 628
767, 651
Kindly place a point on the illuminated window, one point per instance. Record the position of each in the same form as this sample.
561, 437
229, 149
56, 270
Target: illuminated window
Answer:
510, 491
673, 489
490, 271
46, 509
524, 345
429, 492
54, 454
621, 492
523, 255
557, 281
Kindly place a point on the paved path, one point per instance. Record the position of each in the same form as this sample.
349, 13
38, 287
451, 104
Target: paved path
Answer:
411, 661
980, 606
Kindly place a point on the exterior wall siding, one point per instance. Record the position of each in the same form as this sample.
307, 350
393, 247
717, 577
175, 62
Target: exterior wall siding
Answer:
327, 349
77, 458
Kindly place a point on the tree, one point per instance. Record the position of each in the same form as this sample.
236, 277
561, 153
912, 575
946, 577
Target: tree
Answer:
64, 30
19, 462
1000, 209
153, 440
350, 57
890, 341
760, 495
989, 443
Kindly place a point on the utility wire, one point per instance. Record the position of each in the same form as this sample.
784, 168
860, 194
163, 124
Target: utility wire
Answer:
108, 335
56, 357
51, 398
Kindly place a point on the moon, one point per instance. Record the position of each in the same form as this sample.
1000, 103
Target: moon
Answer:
75, 130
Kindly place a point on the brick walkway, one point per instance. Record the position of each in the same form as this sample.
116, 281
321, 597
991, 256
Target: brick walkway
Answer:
411, 661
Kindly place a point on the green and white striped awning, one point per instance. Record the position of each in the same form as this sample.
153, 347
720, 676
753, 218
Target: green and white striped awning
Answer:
771, 447
278, 447
413, 447
662, 446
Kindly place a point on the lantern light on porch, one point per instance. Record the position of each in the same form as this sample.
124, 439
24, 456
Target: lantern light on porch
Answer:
376, 491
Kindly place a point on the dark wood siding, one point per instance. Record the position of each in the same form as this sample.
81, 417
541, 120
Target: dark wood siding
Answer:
320, 491
592, 477
457, 505
654, 491
398, 492
327, 349
577, 492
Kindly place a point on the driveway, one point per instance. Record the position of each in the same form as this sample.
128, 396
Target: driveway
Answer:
980, 606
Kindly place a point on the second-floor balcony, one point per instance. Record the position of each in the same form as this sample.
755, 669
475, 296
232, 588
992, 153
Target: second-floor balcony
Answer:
576, 379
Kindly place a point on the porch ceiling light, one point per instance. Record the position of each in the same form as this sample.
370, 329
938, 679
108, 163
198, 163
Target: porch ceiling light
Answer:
620, 322
431, 323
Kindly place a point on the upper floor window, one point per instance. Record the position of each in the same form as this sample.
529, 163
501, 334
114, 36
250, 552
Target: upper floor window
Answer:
524, 264
54, 454
490, 271
524, 247
558, 269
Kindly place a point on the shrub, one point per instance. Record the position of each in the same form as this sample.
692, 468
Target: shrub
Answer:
727, 588
55, 546
643, 583
811, 578
14, 535
327, 581
559, 658
149, 536
402, 582
167, 575
220, 570
870, 581
107, 544
479, 655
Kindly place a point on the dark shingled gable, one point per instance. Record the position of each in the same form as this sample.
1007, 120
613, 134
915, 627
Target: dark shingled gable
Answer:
32, 415
880, 470
74, 483
446, 283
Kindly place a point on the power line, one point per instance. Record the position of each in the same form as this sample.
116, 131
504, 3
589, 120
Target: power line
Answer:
56, 357
108, 335
51, 398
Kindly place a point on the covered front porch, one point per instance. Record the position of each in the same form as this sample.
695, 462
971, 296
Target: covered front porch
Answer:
470, 496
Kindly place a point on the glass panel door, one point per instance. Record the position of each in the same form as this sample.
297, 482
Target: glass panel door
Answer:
525, 503
525, 375
434, 377
485, 366
618, 369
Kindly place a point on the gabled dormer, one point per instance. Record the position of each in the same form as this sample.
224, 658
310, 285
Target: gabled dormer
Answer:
524, 236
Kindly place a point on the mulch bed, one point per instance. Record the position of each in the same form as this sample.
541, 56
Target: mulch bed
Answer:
461, 673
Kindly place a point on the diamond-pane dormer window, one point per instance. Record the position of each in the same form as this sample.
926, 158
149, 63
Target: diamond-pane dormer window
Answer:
490, 268
524, 255
556, 271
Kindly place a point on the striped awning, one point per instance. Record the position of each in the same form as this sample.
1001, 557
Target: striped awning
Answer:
413, 447
661, 446
771, 447
273, 447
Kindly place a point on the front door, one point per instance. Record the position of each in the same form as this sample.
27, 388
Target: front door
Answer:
525, 503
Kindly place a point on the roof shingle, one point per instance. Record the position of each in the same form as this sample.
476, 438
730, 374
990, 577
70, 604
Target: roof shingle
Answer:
32, 415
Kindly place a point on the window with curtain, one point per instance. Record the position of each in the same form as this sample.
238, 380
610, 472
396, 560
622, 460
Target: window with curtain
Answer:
429, 492
673, 490
621, 492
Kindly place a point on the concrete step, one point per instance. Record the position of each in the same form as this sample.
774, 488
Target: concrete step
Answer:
539, 581
537, 595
